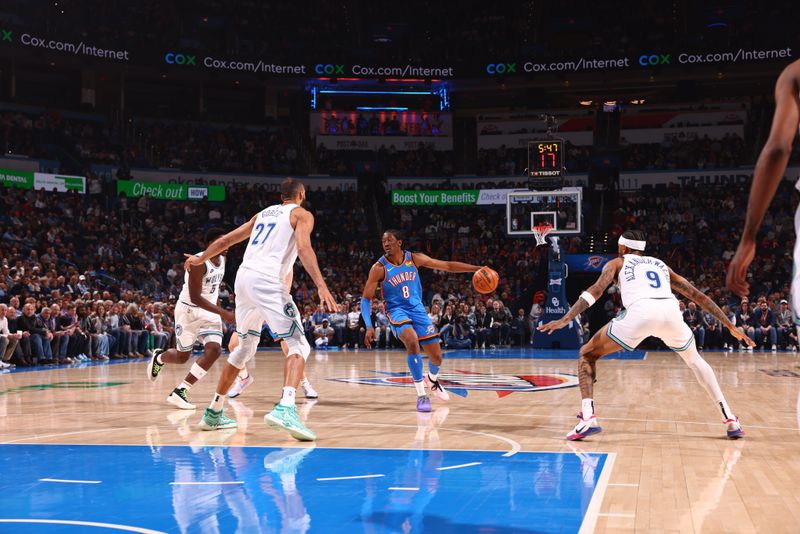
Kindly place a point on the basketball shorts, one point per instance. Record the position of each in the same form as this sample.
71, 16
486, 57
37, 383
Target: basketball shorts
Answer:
193, 323
416, 318
260, 300
660, 318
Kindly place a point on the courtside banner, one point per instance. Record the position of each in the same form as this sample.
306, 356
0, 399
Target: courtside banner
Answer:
42, 181
461, 197
161, 191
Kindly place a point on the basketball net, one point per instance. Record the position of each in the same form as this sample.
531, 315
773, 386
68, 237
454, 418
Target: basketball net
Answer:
540, 233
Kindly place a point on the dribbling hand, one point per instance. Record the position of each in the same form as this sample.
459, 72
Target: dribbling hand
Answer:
369, 337
742, 337
191, 261
552, 326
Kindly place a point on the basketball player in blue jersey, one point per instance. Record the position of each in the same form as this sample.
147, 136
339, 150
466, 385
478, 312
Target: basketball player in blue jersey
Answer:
397, 273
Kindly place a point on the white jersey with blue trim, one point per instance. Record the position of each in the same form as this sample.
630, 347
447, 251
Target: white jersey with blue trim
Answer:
272, 248
211, 281
643, 277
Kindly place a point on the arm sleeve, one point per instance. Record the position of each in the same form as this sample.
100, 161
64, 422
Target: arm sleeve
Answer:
366, 311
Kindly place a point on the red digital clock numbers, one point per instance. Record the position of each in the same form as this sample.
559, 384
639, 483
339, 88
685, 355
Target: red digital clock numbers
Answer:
545, 158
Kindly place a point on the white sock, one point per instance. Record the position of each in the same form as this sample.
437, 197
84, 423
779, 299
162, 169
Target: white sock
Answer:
304, 382
185, 385
420, 386
587, 408
218, 402
243, 374
705, 375
288, 396
433, 377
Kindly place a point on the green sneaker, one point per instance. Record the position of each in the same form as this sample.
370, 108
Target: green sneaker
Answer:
153, 367
215, 421
286, 418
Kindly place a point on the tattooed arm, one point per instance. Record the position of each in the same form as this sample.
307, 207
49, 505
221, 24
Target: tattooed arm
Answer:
607, 277
681, 285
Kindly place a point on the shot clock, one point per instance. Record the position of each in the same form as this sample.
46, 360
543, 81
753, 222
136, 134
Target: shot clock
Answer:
546, 158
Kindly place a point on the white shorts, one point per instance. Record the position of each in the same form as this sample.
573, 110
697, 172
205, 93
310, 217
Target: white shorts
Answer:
660, 318
260, 300
193, 323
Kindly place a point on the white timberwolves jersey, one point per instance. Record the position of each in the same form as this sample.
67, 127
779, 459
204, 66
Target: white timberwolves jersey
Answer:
211, 281
272, 249
643, 277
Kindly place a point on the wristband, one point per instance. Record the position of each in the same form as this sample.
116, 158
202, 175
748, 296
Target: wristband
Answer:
366, 312
588, 298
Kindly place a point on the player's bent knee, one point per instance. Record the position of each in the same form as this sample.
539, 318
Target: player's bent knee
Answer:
297, 345
246, 349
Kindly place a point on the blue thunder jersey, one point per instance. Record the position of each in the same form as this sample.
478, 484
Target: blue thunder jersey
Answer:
401, 287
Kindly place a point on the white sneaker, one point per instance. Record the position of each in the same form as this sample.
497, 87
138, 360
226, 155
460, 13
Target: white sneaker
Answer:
309, 390
436, 389
794, 348
749, 349
239, 386
180, 399
774, 348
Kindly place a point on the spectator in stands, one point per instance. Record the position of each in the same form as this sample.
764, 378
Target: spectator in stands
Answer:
500, 324
338, 321
459, 334
133, 324
784, 323
693, 318
8, 340
381, 322
351, 333
483, 323
713, 336
765, 326
446, 322
519, 329
323, 334
744, 322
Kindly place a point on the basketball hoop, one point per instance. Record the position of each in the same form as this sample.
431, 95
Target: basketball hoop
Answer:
540, 232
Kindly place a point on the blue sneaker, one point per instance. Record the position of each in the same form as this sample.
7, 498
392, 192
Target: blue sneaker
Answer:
423, 404
734, 429
585, 428
286, 418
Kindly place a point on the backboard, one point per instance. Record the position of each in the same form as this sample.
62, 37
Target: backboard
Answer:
562, 209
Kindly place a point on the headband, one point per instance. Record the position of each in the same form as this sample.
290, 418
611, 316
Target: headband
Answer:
632, 243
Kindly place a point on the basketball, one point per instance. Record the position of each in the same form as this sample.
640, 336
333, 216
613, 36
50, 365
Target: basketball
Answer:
485, 280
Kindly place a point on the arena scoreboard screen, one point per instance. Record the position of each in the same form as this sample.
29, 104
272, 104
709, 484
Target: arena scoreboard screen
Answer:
546, 158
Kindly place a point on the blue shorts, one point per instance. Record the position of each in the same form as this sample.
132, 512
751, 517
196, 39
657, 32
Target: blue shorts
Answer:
402, 318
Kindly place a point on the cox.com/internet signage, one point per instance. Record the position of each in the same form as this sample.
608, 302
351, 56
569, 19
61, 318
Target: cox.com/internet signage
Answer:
261, 66
656, 58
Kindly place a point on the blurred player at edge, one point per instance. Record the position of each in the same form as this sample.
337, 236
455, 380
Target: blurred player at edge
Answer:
276, 236
646, 285
768, 174
402, 294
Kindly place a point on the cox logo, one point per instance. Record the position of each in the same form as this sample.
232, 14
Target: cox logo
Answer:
501, 68
319, 68
647, 60
179, 59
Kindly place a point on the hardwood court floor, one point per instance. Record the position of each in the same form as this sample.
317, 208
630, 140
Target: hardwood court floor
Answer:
671, 468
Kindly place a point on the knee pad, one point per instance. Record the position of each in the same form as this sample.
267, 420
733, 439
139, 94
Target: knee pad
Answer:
244, 352
298, 344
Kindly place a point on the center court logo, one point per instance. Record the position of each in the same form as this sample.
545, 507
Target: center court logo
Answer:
459, 382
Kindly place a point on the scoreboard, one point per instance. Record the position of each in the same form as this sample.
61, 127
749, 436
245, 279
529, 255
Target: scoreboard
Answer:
546, 158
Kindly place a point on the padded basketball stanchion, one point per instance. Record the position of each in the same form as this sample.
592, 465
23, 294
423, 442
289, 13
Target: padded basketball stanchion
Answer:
556, 305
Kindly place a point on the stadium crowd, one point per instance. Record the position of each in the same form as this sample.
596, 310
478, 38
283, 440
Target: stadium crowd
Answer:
89, 276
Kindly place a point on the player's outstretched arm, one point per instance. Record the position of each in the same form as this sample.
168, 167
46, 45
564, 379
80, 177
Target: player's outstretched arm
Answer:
587, 298
304, 225
681, 285
196, 296
220, 245
769, 171
376, 274
423, 260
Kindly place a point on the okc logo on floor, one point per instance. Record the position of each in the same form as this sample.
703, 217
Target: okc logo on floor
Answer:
459, 382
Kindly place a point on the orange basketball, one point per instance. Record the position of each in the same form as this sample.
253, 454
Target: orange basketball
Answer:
485, 280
